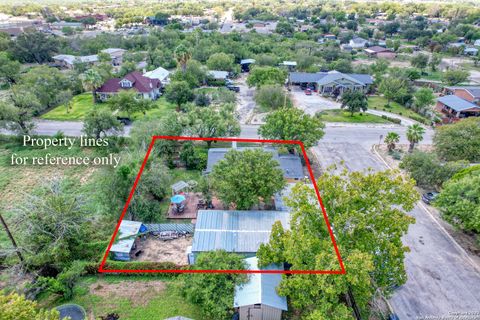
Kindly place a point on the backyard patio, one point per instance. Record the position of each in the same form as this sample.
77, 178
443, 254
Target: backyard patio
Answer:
189, 207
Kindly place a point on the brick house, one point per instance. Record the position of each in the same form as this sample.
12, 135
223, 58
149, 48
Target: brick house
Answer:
460, 102
380, 52
146, 88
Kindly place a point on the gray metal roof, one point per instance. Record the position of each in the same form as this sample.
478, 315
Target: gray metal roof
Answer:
235, 231
290, 164
280, 196
260, 288
327, 77
178, 227
456, 103
247, 61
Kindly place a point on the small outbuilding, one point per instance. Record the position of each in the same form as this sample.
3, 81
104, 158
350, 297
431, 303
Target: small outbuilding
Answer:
258, 298
127, 235
245, 64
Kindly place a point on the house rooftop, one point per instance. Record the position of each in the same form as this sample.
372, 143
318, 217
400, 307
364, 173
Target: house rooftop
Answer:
235, 231
260, 288
159, 73
216, 74
290, 164
247, 61
140, 83
377, 49
326, 77
458, 104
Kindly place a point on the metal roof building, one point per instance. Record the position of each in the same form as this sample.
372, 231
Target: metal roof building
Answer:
126, 234
258, 298
328, 77
235, 231
290, 164
457, 103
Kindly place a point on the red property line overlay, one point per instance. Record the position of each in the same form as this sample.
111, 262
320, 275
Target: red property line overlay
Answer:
312, 178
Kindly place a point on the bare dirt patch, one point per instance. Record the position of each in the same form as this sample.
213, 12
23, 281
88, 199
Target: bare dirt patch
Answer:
165, 250
139, 293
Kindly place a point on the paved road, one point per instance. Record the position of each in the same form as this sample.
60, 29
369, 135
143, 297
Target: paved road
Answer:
441, 279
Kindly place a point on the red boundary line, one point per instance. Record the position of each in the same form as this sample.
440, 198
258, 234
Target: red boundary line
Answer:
297, 142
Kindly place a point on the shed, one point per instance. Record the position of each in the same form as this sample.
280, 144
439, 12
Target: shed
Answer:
258, 298
245, 64
234, 230
127, 234
218, 75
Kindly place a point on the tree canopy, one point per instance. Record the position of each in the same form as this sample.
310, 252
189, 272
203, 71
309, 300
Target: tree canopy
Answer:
260, 76
459, 141
245, 177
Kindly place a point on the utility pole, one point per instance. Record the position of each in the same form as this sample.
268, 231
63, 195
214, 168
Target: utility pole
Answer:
12, 239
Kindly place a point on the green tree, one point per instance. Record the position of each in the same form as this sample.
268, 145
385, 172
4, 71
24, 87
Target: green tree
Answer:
459, 141
428, 171
435, 60
16, 113
419, 61
415, 134
272, 97
369, 215
284, 28
182, 55
354, 101
292, 124
221, 61
260, 76
214, 292
34, 46
454, 76
392, 88
423, 98
212, 122
243, 177
101, 123
16, 307
179, 93
54, 227
91, 81
128, 102
9, 69
391, 139
459, 202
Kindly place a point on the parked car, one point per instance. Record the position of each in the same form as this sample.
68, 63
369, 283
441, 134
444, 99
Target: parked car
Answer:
233, 88
125, 121
429, 197
308, 92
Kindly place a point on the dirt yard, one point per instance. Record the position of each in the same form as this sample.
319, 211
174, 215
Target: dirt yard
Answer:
165, 251
139, 293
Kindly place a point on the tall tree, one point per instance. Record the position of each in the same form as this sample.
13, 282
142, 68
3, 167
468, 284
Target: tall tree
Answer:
391, 139
292, 124
266, 75
34, 46
271, 97
9, 69
179, 93
369, 215
91, 81
435, 60
242, 178
212, 122
419, 61
414, 135
127, 101
454, 76
182, 55
354, 101
17, 112
392, 88
221, 61
424, 98
214, 292
459, 141
16, 307
101, 123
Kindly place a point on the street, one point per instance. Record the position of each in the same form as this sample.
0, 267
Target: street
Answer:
440, 277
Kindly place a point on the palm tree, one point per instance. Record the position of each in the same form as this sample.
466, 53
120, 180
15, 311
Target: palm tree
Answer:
414, 135
391, 139
91, 81
182, 55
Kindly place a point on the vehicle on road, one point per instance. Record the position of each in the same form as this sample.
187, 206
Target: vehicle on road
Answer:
429, 197
233, 88
308, 92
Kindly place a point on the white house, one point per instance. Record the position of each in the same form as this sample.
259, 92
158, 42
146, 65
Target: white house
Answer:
358, 43
160, 74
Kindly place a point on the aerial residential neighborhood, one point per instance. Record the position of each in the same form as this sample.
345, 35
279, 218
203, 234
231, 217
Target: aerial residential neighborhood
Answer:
258, 160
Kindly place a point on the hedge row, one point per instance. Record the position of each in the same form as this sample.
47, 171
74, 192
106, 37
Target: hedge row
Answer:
394, 120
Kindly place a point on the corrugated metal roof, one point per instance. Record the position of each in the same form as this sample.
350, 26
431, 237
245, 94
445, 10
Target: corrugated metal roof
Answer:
247, 61
126, 233
456, 103
235, 231
290, 164
327, 77
279, 196
178, 227
216, 74
260, 288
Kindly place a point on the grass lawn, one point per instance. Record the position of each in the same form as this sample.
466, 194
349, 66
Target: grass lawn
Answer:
337, 115
135, 298
83, 103
378, 103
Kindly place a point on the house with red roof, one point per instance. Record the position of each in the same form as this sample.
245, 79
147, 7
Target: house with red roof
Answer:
146, 88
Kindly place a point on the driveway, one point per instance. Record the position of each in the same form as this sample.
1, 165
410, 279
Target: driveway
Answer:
245, 103
441, 278
311, 104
